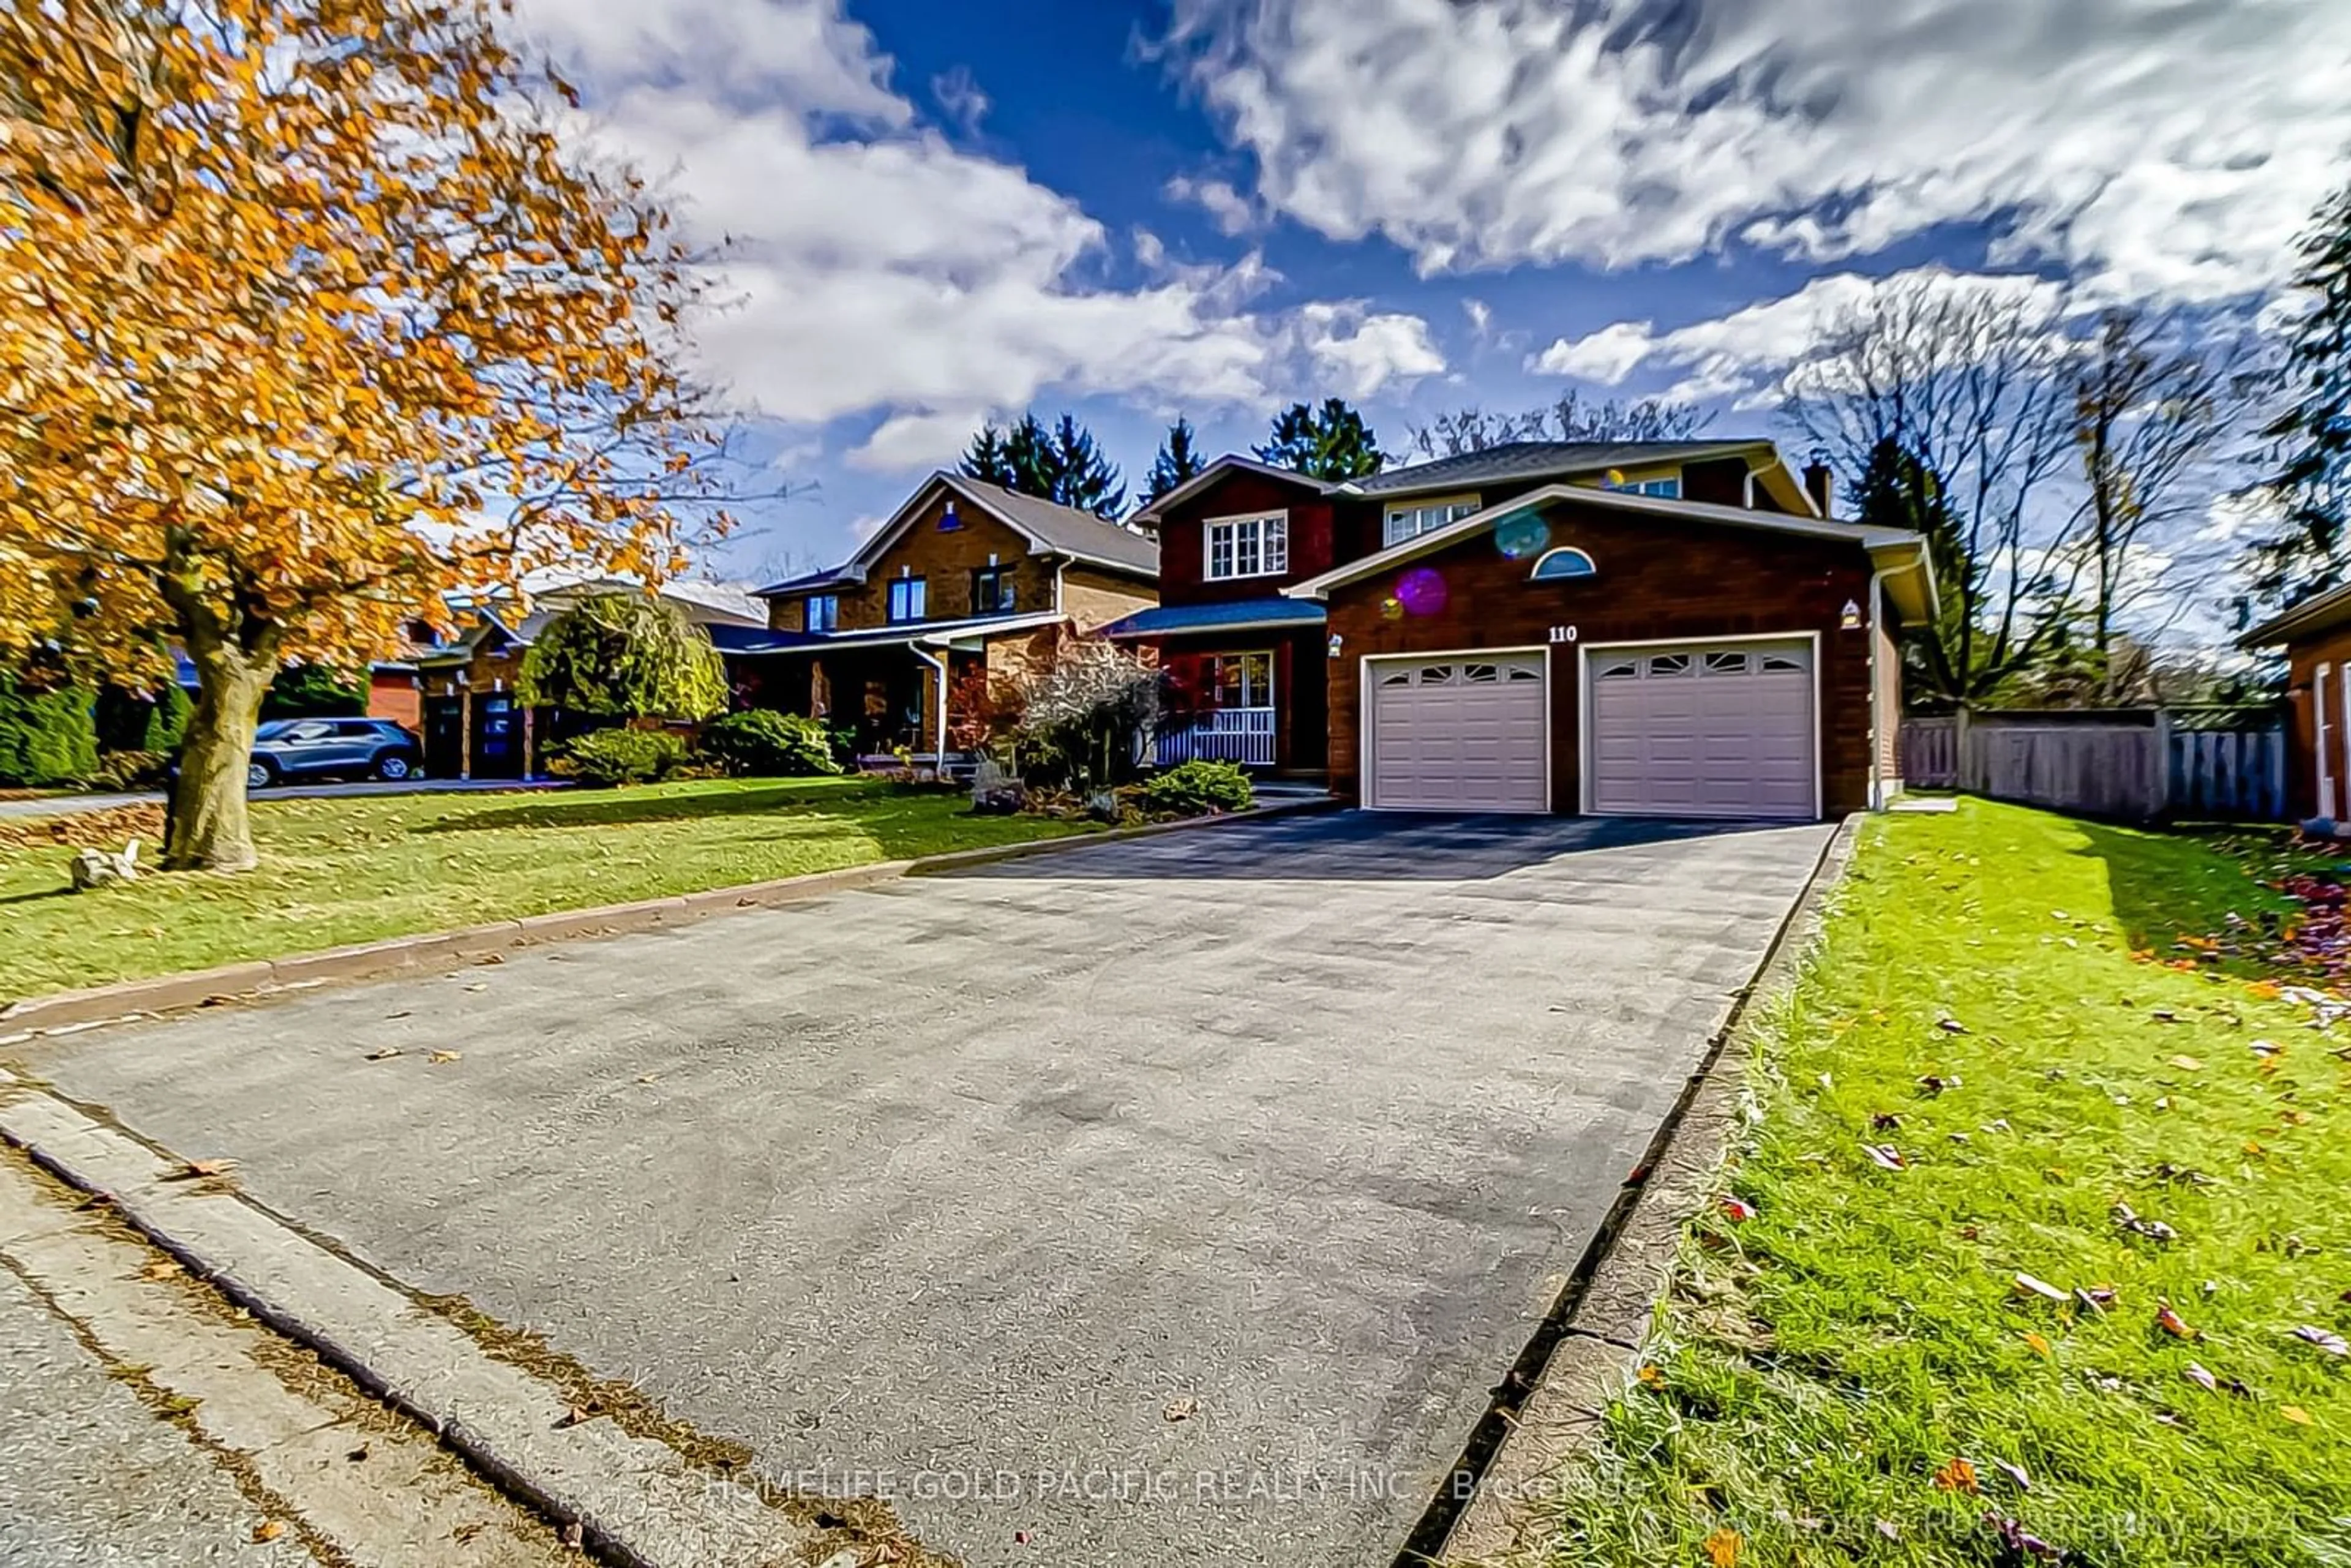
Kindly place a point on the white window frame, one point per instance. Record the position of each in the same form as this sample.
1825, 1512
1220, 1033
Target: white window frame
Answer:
808, 616
1448, 509
1663, 486
2322, 740
1216, 683
1262, 539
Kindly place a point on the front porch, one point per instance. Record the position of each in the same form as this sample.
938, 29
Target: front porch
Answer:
1242, 735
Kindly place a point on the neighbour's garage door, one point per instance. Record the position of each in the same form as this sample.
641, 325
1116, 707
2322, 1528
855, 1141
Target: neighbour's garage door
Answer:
1720, 731
1460, 734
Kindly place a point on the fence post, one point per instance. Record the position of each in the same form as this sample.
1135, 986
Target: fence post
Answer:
2159, 807
1964, 775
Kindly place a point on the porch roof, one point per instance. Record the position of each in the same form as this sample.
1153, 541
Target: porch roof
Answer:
1234, 615
969, 634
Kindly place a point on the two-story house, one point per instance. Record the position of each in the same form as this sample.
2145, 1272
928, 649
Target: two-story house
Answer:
964, 577
1656, 628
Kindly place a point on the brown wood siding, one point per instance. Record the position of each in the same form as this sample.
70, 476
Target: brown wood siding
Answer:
2302, 659
1659, 579
396, 695
788, 614
1183, 552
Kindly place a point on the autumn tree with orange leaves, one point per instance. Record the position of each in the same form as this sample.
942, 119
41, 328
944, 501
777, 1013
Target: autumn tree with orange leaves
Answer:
312, 311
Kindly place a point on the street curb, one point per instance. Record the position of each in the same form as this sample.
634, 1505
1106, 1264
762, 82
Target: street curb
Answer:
1612, 1300
429, 951
636, 1502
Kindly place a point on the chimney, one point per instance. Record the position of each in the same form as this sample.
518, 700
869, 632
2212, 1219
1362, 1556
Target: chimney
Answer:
1819, 483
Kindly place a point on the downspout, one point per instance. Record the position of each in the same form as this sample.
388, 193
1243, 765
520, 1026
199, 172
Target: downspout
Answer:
939, 750
1877, 696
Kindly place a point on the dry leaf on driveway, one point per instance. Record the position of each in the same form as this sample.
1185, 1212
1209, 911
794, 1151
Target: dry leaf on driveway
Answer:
195, 1170
386, 1054
440, 1058
268, 1529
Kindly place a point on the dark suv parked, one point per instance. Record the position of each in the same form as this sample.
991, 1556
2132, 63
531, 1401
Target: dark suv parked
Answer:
315, 747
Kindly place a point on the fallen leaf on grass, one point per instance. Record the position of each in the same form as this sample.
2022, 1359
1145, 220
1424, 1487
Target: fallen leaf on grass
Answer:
195, 1170
2020, 1544
2097, 1298
1722, 1548
2187, 1063
1958, 1476
2014, 1473
1885, 1122
1885, 1155
2295, 1414
1888, 1529
2171, 1322
1951, 1026
2040, 1346
1737, 1211
268, 1529
441, 1058
1935, 1084
2202, 1379
2331, 1344
1650, 1377
2041, 1288
2153, 1229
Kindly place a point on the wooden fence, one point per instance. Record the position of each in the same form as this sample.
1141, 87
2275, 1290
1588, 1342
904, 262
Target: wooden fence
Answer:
2132, 764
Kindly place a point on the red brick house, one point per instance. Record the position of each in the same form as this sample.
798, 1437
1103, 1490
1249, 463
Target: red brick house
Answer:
2315, 635
965, 578
1645, 629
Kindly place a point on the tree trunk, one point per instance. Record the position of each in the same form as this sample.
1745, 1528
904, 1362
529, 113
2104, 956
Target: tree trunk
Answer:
209, 829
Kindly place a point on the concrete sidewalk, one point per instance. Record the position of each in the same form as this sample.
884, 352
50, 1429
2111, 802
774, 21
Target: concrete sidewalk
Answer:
1175, 1201
73, 805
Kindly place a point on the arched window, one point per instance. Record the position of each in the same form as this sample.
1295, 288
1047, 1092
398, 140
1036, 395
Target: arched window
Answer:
1563, 565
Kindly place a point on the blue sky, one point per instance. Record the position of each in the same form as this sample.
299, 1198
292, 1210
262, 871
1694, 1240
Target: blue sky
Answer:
937, 213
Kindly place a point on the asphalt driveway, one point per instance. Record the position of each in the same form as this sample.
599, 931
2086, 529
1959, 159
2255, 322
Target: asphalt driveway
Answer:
1177, 1201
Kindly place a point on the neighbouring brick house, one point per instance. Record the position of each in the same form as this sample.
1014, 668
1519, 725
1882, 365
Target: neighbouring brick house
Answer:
964, 579
1648, 628
457, 692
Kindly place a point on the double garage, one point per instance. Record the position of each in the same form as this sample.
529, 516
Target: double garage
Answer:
1728, 728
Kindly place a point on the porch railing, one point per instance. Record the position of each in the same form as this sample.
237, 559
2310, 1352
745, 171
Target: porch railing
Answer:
1242, 735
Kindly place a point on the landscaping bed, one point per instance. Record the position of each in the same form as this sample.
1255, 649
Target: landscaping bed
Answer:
356, 869
2038, 1252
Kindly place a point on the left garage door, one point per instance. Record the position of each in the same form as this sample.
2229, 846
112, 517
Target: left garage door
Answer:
1459, 734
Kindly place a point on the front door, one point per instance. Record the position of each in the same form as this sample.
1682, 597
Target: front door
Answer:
497, 737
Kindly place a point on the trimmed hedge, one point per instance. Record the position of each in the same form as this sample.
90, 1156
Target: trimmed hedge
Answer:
605, 757
47, 739
760, 743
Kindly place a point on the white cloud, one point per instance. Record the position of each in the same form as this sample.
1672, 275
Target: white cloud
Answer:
1607, 356
1481, 318
1357, 354
1743, 354
889, 270
958, 94
2164, 149
1231, 211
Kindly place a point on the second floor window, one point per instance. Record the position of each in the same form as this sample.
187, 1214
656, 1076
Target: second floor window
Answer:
907, 599
1248, 547
1411, 521
824, 613
991, 590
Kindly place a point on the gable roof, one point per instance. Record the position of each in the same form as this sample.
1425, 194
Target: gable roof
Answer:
1903, 551
1544, 459
1215, 471
1049, 529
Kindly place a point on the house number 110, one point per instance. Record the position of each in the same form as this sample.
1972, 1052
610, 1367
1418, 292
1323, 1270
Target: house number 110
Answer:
1562, 634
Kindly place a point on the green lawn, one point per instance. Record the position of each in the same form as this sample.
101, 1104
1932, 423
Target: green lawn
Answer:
1820, 1364
353, 869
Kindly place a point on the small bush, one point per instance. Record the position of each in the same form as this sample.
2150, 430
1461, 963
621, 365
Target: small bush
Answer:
762, 743
120, 770
48, 739
1196, 789
605, 757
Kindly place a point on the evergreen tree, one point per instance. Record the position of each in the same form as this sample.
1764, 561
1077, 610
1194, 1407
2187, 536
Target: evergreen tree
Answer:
1178, 462
1330, 443
2309, 549
1064, 464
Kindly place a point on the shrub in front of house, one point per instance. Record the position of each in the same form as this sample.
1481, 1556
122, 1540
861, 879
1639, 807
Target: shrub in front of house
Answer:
605, 757
48, 739
1196, 789
120, 770
760, 743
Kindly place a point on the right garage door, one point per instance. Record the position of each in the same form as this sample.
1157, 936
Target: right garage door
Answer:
1703, 731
